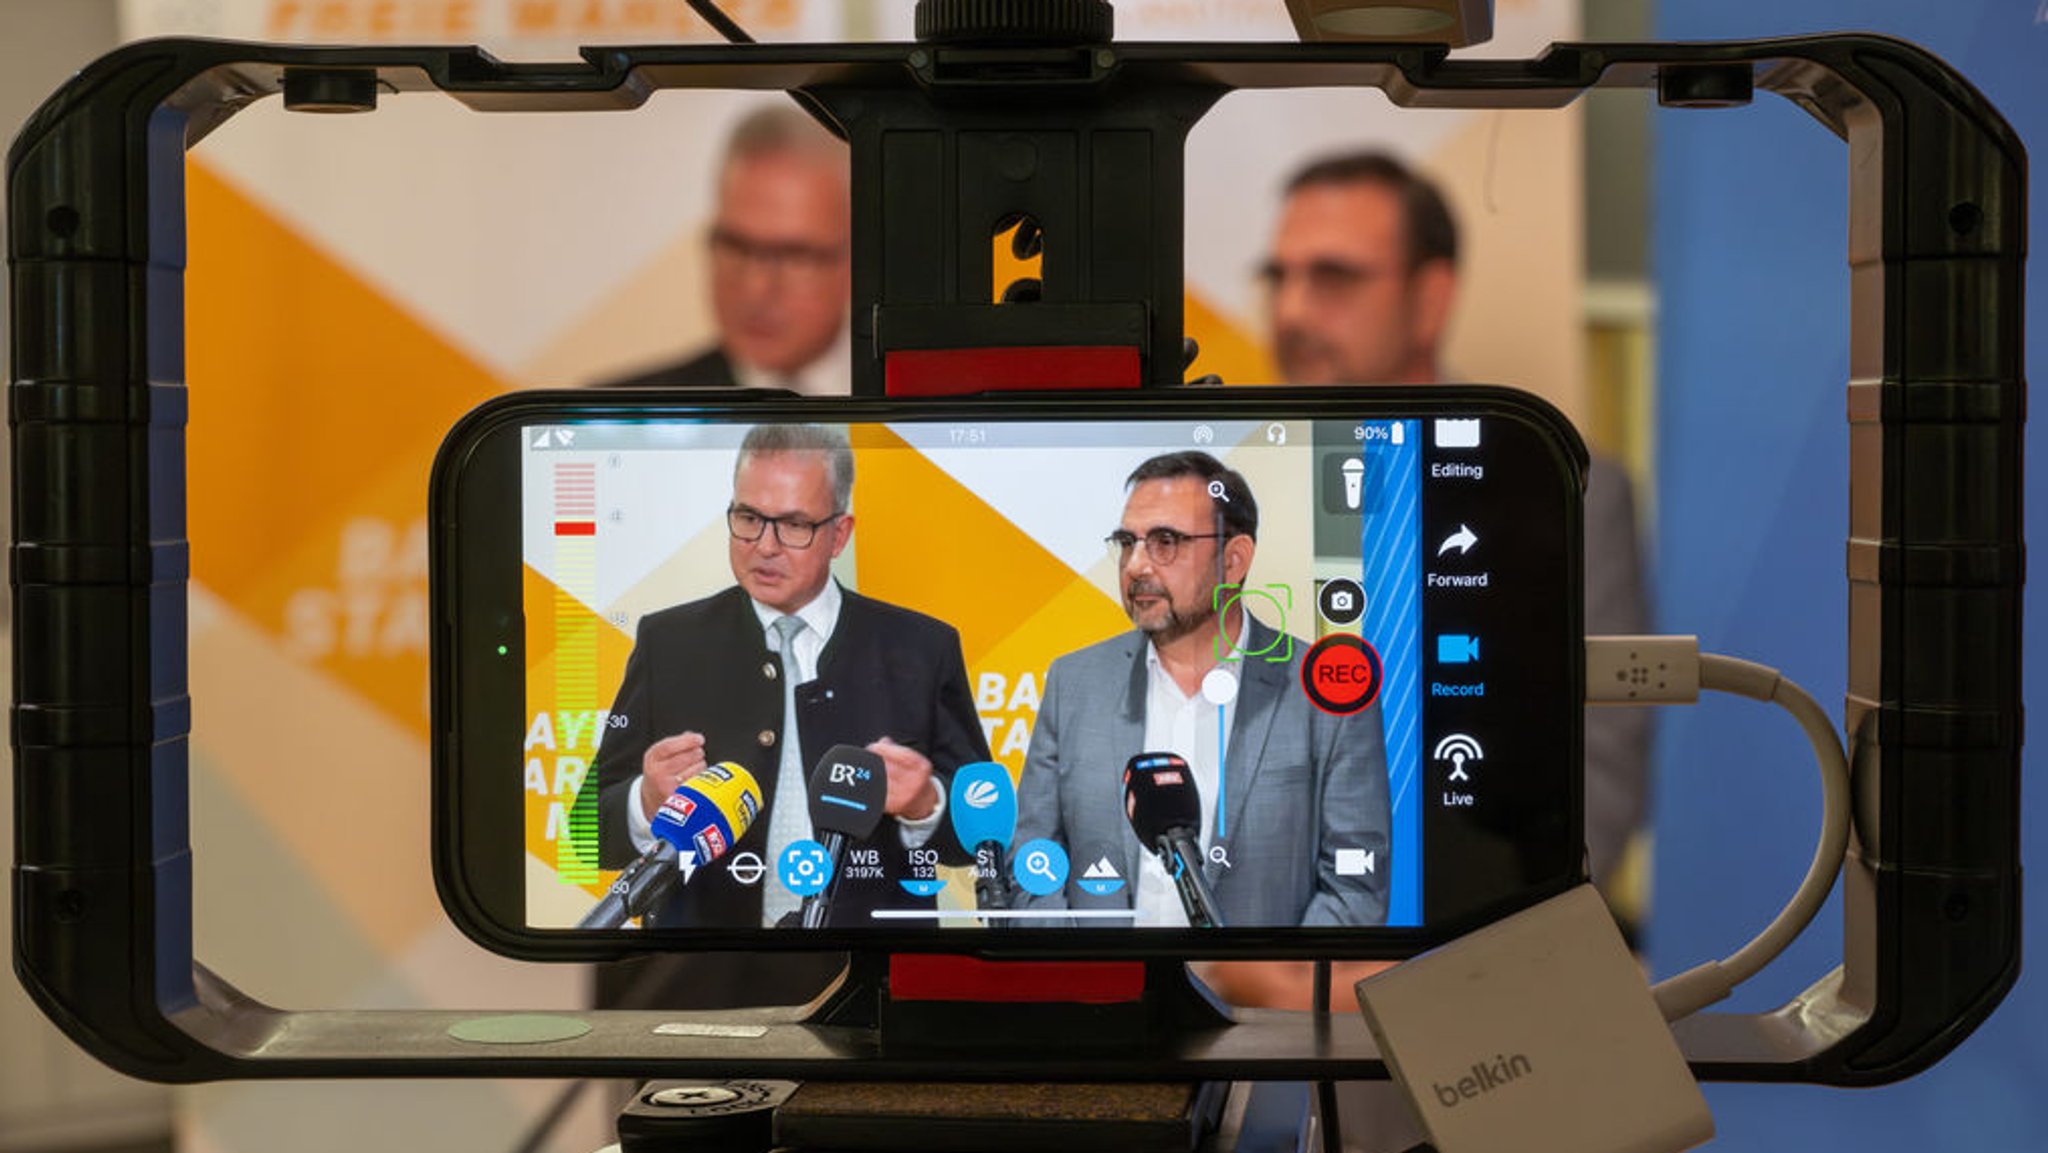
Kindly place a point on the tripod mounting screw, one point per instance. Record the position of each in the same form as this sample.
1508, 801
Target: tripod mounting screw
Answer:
737, 1116
694, 1096
1015, 22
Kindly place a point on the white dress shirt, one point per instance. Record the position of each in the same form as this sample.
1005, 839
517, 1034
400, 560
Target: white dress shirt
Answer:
831, 374
1199, 730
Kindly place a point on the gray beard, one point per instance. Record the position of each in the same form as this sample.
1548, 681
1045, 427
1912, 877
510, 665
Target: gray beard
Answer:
1177, 625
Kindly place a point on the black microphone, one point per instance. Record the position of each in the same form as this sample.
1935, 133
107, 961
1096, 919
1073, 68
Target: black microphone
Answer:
848, 788
1165, 808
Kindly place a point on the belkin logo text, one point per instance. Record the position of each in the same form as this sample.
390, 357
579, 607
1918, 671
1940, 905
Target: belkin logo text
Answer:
1484, 1077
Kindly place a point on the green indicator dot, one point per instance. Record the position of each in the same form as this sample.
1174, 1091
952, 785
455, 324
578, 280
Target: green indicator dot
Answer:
504, 649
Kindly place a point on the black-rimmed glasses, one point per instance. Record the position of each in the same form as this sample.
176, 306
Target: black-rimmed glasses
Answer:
790, 531
1161, 544
731, 252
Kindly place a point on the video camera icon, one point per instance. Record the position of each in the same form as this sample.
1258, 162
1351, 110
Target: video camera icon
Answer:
1456, 649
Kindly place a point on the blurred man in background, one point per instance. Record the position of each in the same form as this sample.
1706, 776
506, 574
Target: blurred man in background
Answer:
1360, 286
781, 268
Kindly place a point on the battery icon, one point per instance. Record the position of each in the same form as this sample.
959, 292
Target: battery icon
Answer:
1400, 432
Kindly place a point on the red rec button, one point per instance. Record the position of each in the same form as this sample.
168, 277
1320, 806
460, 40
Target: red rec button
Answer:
1341, 674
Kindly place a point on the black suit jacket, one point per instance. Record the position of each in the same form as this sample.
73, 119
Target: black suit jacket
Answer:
706, 667
709, 979
708, 369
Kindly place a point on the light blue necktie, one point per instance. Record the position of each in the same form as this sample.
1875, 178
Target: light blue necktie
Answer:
789, 818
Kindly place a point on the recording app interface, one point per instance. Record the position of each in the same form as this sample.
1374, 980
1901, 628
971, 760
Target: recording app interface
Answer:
1397, 597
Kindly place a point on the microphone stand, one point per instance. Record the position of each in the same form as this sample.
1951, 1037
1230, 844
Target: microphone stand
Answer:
638, 888
818, 905
990, 890
1184, 860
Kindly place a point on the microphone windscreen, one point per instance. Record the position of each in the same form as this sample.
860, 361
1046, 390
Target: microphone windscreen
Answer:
848, 790
710, 812
1160, 795
983, 804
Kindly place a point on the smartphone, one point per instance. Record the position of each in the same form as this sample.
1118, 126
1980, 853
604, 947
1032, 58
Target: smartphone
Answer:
1210, 672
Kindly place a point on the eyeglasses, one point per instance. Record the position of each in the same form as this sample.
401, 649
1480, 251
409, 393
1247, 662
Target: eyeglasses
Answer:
1325, 279
790, 531
1161, 544
730, 252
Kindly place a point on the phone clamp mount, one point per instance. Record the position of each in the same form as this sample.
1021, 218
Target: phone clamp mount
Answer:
949, 140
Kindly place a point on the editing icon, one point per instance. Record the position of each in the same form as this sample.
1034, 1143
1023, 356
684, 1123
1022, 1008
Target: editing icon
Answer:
1457, 433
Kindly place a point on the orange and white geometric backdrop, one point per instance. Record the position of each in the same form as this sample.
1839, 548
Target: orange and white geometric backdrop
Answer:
356, 283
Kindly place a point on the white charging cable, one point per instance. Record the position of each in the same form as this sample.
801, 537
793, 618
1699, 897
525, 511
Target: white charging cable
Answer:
1672, 670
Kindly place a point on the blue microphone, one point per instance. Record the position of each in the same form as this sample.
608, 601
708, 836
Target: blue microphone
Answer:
709, 813
983, 805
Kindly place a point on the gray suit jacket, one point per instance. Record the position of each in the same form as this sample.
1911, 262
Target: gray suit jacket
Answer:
1299, 785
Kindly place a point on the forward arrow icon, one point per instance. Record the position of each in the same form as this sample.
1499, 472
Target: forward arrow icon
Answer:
1462, 541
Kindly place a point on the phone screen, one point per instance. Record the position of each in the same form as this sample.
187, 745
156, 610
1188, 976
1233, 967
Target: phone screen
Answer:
864, 671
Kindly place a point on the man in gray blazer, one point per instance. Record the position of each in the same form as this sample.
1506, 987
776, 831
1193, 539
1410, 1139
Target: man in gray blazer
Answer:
1361, 282
1285, 787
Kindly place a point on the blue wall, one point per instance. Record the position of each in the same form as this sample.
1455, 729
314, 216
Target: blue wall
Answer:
1749, 246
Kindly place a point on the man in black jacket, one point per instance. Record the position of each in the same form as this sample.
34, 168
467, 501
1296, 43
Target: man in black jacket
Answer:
780, 263
770, 673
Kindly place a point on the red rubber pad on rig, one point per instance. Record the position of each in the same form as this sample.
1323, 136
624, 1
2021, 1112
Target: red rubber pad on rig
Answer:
956, 371
938, 977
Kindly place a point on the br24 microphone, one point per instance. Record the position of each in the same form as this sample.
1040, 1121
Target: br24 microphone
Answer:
1165, 809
